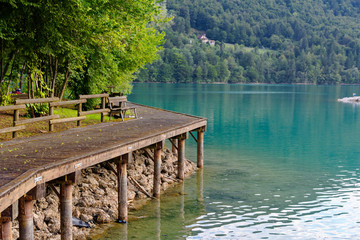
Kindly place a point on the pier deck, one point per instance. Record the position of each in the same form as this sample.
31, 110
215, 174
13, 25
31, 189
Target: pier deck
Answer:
26, 163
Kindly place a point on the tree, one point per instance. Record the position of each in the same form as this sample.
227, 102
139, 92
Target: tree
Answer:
97, 43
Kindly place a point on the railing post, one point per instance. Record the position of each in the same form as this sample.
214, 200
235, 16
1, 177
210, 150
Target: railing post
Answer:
122, 187
51, 112
66, 210
157, 169
103, 107
79, 114
26, 222
15, 118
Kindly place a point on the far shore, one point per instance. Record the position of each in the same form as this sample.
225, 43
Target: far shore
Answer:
253, 83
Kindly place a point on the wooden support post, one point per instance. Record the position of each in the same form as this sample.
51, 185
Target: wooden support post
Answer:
181, 157
15, 118
26, 221
79, 114
200, 148
51, 112
122, 187
7, 216
6, 225
157, 169
66, 210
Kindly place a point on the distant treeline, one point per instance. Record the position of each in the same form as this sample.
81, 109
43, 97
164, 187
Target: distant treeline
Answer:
285, 41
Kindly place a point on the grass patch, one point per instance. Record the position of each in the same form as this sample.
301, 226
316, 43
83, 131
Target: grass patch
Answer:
67, 113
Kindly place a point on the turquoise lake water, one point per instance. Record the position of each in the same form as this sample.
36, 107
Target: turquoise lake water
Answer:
281, 162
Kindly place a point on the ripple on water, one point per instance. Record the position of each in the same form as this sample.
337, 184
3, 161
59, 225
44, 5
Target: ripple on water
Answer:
330, 215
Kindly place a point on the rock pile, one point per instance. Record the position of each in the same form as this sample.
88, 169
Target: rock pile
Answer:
95, 198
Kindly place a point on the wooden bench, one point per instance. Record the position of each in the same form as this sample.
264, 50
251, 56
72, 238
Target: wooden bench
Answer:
118, 105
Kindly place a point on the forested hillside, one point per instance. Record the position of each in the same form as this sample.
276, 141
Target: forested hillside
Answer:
271, 41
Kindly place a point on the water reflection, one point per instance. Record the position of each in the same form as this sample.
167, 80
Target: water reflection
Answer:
325, 215
158, 216
181, 205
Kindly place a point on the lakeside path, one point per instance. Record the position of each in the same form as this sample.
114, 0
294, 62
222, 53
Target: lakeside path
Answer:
30, 162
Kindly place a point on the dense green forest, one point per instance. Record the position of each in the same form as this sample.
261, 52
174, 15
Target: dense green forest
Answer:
267, 41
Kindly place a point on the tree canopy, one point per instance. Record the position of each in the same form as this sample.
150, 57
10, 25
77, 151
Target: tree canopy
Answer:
52, 48
284, 41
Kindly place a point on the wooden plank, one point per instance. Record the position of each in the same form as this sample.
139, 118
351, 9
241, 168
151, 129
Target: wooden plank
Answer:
117, 99
64, 103
12, 107
64, 120
12, 129
38, 119
94, 96
35, 100
93, 112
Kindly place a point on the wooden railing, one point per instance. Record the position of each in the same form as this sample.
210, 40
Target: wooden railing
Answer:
103, 110
52, 118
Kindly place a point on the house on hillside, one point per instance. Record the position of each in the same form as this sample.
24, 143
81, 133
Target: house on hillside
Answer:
204, 39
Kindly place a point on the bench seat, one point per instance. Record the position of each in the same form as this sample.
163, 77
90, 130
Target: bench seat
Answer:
117, 105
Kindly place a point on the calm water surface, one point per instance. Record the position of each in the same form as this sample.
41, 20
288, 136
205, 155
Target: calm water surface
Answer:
281, 162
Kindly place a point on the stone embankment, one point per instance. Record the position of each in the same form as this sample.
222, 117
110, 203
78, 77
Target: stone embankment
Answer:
95, 197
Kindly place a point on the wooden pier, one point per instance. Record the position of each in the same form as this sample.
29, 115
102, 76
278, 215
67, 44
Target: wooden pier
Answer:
28, 165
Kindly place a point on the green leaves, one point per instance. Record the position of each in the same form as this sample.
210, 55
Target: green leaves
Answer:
89, 44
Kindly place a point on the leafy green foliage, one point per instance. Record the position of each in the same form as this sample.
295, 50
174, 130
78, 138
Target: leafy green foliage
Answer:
37, 109
47, 45
261, 41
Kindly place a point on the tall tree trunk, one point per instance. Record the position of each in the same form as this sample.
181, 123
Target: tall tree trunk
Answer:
29, 84
2, 60
67, 76
10, 76
54, 77
22, 77
12, 54
32, 87
50, 75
